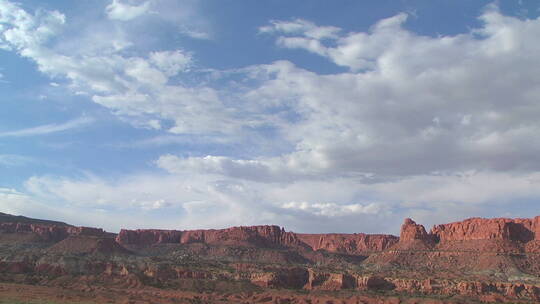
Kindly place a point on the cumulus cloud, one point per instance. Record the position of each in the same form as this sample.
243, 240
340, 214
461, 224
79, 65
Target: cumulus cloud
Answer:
124, 12
354, 50
171, 62
437, 127
415, 104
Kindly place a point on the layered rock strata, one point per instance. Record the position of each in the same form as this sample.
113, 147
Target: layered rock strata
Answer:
261, 236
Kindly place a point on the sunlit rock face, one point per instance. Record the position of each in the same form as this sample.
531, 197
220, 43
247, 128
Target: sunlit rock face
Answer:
522, 230
486, 259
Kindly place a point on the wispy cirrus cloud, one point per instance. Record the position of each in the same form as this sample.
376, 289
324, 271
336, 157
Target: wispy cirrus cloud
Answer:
12, 160
49, 128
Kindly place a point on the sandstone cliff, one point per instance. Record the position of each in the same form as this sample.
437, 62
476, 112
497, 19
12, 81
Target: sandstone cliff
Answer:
522, 230
262, 236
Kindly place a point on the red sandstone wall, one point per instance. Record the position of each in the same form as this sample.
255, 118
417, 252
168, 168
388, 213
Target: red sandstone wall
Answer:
358, 243
523, 230
264, 236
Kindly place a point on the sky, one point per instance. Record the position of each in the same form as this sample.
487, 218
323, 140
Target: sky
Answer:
318, 116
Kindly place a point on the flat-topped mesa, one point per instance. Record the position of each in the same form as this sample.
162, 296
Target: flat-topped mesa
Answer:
261, 236
522, 230
264, 236
148, 237
50, 233
357, 243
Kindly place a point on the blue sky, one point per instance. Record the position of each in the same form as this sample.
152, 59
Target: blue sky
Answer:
318, 116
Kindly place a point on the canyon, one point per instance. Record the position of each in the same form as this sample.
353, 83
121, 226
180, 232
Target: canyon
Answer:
474, 260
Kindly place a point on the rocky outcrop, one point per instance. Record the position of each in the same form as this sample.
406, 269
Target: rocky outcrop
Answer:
297, 278
329, 281
414, 237
521, 230
373, 282
411, 231
467, 288
281, 278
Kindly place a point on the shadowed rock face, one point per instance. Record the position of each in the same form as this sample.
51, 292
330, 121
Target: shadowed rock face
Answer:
148, 237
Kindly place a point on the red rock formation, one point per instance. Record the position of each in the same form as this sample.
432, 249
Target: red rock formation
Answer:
373, 282
295, 278
50, 233
522, 230
411, 231
261, 236
329, 281
535, 223
264, 236
148, 237
357, 243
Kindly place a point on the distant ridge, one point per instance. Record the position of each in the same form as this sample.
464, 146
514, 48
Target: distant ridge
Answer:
7, 218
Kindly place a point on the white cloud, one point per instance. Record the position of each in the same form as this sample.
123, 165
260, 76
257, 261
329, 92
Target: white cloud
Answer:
13, 201
413, 104
245, 169
195, 199
332, 209
136, 88
171, 62
50, 128
390, 137
303, 27
124, 12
